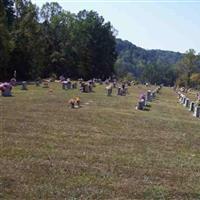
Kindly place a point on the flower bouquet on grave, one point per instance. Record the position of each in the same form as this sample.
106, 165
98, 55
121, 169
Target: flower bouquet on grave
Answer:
142, 96
77, 101
74, 102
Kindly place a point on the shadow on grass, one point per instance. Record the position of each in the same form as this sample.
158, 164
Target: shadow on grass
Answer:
148, 106
146, 109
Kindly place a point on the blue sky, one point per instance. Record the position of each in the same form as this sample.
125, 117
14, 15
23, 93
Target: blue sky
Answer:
149, 24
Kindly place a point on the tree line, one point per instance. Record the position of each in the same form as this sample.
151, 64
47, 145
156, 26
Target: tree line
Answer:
50, 41
157, 66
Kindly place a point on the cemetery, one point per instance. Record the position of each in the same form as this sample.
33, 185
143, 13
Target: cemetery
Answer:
97, 107
91, 141
191, 105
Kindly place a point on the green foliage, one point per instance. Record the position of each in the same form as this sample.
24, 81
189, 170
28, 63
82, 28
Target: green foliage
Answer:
195, 79
38, 42
50, 10
129, 77
153, 66
53, 77
9, 10
81, 45
188, 65
4, 42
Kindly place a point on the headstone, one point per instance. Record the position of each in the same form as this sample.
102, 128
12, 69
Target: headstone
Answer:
6, 89
125, 91
153, 94
45, 85
69, 85
148, 96
119, 91
74, 85
37, 83
143, 99
183, 98
180, 99
82, 87
13, 81
24, 85
86, 88
196, 111
64, 85
107, 82
141, 104
62, 78
187, 102
191, 108
90, 87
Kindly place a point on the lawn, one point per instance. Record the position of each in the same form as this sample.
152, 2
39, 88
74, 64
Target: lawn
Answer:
105, 150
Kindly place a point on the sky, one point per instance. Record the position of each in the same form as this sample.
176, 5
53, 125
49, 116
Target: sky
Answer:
151, 24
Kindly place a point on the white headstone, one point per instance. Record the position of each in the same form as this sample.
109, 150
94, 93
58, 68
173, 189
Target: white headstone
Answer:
24, 85
183, 99
187, 102
196, 111
148, 96
191, 108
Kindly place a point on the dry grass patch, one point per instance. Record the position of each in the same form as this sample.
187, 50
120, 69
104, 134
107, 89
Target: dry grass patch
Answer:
104, 150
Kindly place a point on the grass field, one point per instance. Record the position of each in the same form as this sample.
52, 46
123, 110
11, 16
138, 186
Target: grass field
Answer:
104, 150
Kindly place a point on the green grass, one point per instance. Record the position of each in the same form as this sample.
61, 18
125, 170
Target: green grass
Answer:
104, 150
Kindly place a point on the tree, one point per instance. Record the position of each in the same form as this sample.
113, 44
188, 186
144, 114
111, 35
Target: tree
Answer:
4, 42
9, 11
60, 56
94, 42
195, 80
187, 66
49, 10
81, 45
27, 56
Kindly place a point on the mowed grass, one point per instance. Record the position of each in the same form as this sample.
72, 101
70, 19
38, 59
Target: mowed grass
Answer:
104, 150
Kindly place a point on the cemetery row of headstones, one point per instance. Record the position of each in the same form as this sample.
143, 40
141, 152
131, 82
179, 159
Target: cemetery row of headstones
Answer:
85, 86
147, 97
6, 88
190, 105
122, 88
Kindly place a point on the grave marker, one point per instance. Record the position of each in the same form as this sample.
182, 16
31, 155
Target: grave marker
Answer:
24, 85
196, 111
187, 102
6, 89
191, 108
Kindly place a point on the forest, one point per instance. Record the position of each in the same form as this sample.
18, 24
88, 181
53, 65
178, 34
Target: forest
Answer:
50, 41
157, 66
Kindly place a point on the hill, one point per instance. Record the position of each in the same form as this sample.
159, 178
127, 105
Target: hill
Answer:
134, 59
